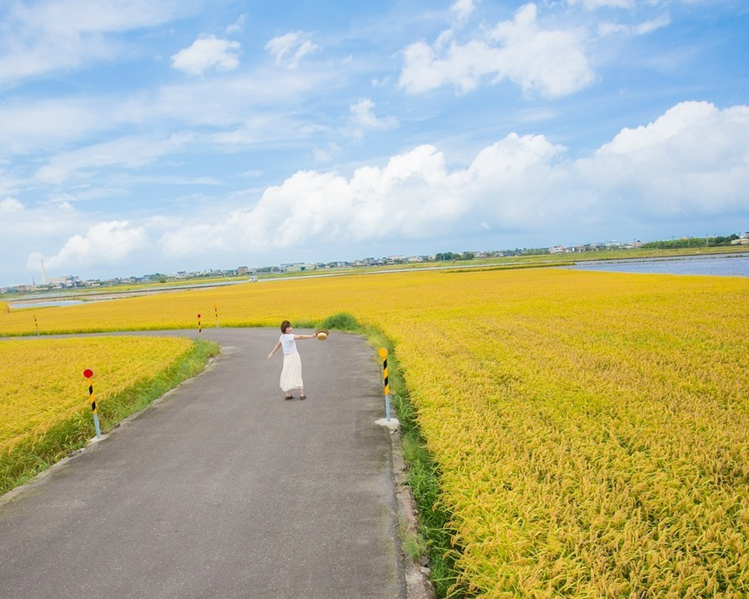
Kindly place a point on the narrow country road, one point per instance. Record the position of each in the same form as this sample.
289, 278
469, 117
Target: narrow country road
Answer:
223, 490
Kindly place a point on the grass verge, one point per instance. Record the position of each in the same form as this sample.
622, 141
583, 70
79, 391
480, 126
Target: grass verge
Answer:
35, 454
423, 478
434, 538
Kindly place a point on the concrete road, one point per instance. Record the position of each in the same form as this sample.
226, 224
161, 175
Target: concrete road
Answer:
223, 489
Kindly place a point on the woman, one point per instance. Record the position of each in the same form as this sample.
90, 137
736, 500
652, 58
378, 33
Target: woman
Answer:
291, 374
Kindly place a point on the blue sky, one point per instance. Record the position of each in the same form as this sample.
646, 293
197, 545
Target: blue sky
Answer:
141, 136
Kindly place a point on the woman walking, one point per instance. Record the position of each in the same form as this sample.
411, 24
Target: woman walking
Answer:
291, 374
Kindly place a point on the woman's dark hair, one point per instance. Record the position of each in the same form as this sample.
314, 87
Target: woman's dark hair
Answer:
285, 325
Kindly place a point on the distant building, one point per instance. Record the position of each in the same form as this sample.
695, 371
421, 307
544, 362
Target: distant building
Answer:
298, 267
64, 282
243, 270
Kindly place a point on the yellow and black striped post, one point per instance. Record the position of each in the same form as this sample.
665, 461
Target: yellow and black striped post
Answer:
36, 325
385, 381
88, 373
215, 309
200, 327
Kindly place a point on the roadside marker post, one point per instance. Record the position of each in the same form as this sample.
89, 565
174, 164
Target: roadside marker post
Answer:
385, 381
200, 327
391, 423
215, 308
88, 373
36, 325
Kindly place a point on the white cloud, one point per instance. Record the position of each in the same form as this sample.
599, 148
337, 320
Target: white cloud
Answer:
26, 226
693, 160
103, 244
130, 152
207, 53
463, 9
47, 35
605, 29
258, 106
363, 116
594, 4
9, 205
237, 26
322, 155
630, 4
326, 154
9, 183
290, 48
29, 125
673, 123
550, 62
84, 193
536, 115
267, 95
414, 195
97, 16
21, 223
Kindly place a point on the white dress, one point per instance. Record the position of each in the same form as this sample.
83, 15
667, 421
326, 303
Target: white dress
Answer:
291, 374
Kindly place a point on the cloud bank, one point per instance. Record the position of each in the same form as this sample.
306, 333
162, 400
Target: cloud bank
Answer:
691, 161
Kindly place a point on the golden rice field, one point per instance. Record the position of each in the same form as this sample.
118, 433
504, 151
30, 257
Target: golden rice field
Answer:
43, 386
591, 429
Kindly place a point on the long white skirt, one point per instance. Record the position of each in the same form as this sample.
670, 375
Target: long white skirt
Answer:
291, 375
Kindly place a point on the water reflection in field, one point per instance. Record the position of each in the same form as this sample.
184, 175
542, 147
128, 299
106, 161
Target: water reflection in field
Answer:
44, 304
725, 266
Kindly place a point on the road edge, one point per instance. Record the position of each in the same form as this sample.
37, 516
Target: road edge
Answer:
417, 575
93, 442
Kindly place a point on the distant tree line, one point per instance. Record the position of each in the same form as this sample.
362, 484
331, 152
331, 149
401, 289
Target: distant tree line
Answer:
445, 256
691, 242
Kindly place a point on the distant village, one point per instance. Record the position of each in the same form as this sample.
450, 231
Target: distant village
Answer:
71, 281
